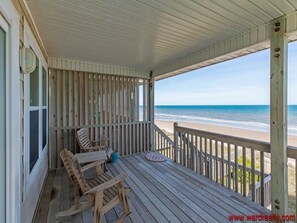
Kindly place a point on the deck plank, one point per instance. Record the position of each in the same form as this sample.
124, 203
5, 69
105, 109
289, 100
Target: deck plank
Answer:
148, 204
205, 212
43, 209
213, 198
160, 192
55, 196
152, 185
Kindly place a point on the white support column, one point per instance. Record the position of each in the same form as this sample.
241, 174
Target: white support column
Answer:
278, 116
152, 112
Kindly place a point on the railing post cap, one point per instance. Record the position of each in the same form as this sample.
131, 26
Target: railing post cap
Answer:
175, 124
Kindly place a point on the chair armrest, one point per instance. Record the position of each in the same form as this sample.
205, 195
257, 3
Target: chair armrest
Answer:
108, 184
91, 165
100, 140
94, 148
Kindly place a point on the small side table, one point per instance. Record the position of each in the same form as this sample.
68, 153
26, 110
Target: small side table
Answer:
90, 157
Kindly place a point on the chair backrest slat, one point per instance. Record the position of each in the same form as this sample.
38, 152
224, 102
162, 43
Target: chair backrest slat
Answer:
83, 139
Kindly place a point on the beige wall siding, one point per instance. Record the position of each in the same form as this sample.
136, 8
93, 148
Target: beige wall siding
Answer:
106, 104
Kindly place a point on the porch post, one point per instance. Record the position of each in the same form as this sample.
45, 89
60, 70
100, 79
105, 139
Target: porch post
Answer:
152, 111
278, 116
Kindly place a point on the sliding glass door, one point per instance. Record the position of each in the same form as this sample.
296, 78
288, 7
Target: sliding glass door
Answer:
2, 122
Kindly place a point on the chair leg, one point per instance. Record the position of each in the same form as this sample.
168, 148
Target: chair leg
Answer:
98, 207
124, 202
77, 199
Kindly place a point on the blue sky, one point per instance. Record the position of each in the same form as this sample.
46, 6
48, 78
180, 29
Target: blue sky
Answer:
241, 81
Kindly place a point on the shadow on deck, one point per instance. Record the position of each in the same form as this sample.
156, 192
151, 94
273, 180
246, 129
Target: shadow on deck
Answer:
160, 192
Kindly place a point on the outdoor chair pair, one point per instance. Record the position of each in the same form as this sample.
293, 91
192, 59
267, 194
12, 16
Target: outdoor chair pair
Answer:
103, 192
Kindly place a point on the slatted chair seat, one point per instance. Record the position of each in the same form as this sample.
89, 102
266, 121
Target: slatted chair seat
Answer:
109, 193
102, 192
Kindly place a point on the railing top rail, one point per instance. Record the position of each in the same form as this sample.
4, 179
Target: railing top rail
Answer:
100, 125
239, 141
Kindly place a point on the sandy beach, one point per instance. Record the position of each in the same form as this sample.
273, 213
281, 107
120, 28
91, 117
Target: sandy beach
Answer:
261, 136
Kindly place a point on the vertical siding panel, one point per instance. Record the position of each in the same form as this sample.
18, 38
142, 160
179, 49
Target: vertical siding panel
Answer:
118, 111
59, 116
65, 115
81, 99
76, 107
91, 103
71, 110
101, 92
89, 99
86, 105
96, 105
76, 99
53, 117
123, 115
110, 108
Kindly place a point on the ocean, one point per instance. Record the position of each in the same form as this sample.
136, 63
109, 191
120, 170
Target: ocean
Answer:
251, 117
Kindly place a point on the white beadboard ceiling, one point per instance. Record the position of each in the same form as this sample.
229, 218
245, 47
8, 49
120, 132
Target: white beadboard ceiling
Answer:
146, 34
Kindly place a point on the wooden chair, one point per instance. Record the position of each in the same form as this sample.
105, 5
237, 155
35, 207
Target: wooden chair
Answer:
103, 192
86, 145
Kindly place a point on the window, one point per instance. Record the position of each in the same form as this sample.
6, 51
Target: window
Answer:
34, 153
37, 114
44, 108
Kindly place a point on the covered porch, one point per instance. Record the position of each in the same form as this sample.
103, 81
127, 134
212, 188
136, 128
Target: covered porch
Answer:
96, 67
160, 192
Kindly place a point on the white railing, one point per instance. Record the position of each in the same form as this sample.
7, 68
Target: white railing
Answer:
240, 164
163, 144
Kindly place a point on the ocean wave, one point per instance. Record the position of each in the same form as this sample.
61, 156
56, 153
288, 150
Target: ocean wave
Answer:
250, 125
193, 118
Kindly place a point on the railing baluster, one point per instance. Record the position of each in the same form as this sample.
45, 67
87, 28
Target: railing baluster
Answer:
192, 153
236, 169
262, 178
184, 149
253, 173
295, 187
222, 163
217, 165
210, 159
229, 166
206, 172
244, 171
201, 163
196, 152
187, 151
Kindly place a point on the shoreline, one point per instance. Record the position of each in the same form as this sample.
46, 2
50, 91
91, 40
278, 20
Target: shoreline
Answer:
243, 133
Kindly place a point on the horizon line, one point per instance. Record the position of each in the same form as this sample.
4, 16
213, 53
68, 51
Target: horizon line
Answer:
221, 105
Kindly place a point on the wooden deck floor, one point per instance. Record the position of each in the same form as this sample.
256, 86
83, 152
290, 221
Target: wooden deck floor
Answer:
160, 192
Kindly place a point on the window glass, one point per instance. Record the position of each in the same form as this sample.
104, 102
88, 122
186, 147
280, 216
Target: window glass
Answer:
34, 151
34, 85
44, 127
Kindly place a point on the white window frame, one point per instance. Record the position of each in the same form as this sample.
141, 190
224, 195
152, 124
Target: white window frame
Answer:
30, 176
10, 19
5, 27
